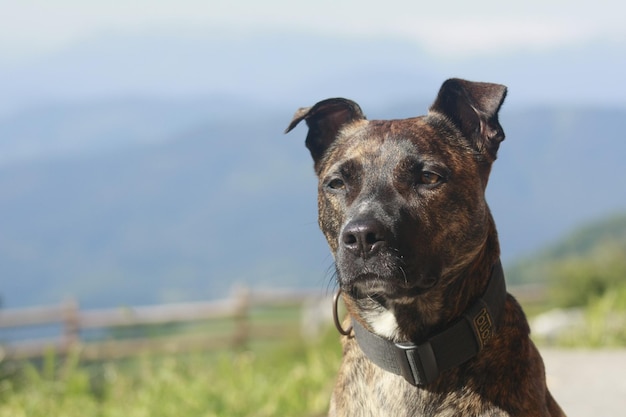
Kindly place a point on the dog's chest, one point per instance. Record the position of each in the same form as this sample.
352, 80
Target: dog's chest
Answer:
387, 398
370, 391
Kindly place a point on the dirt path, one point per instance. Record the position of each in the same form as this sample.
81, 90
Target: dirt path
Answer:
587, 383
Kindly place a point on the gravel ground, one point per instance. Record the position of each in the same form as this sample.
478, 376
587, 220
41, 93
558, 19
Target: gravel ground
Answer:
587, 383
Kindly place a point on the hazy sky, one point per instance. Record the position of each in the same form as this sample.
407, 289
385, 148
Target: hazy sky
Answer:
32, 27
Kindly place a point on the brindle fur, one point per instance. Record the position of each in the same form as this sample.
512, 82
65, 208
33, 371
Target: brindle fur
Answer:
402, 205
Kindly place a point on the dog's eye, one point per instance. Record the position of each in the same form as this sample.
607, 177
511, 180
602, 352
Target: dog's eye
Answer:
429, 178
336, 184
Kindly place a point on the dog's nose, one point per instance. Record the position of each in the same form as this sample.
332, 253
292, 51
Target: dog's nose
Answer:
363, 237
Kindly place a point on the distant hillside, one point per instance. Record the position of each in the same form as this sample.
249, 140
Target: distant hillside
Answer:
97, 126
607, 234
557, 168
227, 199
220, 205
587, 238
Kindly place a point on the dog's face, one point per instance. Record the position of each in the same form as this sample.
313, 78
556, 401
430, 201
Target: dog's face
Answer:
391, 198
401, 202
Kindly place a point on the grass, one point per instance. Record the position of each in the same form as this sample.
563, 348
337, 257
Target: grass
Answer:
603, 323
293, 379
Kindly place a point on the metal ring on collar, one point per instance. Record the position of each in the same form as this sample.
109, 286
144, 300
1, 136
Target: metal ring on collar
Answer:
336, 315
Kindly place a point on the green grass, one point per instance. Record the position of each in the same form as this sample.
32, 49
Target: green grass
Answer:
286, 379
603, 323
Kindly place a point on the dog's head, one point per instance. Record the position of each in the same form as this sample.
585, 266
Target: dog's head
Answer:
401, 202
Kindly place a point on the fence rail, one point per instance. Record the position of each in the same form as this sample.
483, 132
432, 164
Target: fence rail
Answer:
237, 310
73, 321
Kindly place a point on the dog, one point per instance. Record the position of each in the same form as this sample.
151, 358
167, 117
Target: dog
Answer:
431, 329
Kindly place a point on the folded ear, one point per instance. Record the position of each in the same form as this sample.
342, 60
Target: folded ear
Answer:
473, 107
325, 120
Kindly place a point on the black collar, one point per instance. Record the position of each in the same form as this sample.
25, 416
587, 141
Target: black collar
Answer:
421, 364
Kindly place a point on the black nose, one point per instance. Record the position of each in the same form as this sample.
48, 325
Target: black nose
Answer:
364, 237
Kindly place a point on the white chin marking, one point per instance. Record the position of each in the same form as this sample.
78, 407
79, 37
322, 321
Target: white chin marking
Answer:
383, 323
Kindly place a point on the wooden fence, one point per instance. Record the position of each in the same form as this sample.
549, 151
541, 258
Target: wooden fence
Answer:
235, 313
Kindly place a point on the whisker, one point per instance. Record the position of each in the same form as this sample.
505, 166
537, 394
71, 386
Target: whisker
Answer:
332, 282
406, 280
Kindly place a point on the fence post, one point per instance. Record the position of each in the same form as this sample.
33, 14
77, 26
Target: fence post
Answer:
71, 329
241, 295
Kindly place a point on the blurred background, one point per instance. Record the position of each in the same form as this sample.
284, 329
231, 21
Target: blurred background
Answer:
142, 159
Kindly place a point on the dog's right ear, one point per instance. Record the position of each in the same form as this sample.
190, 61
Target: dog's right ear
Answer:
325, 120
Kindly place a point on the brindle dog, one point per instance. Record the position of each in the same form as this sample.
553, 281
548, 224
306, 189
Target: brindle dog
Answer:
402, 205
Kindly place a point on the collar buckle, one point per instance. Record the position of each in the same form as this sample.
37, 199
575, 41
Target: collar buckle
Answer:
418, 364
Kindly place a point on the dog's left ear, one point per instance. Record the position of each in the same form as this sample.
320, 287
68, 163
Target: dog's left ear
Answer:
325, 119
473, 107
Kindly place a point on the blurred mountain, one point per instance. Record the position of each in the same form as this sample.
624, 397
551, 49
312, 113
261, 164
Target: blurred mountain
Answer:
181, 200
185, 218
93, 126
151, 166
595, 246
558, 167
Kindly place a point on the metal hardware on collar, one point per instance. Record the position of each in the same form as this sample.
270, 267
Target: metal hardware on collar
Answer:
336, 315
422, 364
416, 363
